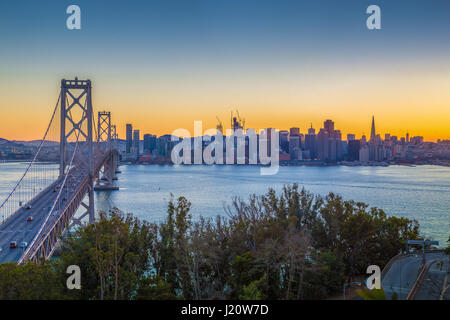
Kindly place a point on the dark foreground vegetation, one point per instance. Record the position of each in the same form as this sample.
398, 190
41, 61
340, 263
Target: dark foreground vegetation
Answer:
293, 245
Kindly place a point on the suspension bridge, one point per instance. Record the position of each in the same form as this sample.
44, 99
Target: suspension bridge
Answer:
47, 200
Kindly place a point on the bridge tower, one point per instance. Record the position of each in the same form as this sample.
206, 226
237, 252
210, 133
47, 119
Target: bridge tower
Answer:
76, 126
115, 137
105, 144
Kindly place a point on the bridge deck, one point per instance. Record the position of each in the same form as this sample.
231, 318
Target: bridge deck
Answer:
16, 228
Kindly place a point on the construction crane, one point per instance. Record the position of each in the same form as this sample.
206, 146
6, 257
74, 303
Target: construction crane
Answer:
241, 120
237, 122
219, 126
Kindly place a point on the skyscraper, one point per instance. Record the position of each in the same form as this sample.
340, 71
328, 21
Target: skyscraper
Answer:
353, 150
322, 145
328, 125
129, 142
136, 143
294, 143
284, 140
149, 143
373, 135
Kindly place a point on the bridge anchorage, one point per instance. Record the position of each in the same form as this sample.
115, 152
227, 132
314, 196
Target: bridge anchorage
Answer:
87, 157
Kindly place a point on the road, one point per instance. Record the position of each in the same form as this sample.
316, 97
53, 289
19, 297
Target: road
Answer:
434, 281
404, 272
16, 228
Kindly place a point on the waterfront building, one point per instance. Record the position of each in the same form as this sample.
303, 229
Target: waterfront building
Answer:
136, 143
328, 125
364, 154
284, 140
294, 146
353, 150
129, 136
322, 145
310, 144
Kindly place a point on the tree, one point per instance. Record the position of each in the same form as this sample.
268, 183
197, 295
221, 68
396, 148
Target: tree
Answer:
31, 282
113, 254
154, 288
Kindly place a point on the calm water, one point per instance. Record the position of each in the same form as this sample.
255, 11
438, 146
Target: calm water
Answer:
421, 193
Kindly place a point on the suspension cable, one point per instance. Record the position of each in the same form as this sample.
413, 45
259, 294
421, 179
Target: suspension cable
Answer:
35, 156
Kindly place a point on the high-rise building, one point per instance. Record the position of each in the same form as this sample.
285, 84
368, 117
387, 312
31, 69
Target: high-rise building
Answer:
311, 144
328, 125
136, 143
149, 143
350, 137
129, 142
322, 145
294, 131
339, 145
373, 134
294, 144
364, 154
332, 150
311, 130
353, 150
284, 140
363, 139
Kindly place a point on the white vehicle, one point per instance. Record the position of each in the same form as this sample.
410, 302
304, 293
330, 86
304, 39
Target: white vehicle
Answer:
23, 244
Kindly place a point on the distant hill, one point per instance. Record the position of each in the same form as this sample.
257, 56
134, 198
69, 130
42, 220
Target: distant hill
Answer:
32, 143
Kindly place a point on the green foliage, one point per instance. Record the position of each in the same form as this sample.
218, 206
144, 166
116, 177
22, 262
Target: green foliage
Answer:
374, 294
325, 276
291, 245
154, 288
31, 282
255, 290
113, 255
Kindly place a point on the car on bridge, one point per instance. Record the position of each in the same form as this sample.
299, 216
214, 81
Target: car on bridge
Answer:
23, 244
13, 244
29, 207
29, 218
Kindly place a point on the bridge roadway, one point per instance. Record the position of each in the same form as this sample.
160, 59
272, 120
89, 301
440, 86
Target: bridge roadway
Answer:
403, 273
17, 228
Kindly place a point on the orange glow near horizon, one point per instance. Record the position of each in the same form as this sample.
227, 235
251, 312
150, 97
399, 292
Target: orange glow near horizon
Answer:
417, 103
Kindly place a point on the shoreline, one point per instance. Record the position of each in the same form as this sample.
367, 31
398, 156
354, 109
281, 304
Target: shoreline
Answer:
303, 164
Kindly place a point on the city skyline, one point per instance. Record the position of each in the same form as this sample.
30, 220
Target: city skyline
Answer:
327, 145
302, 130
282, 64
373, 133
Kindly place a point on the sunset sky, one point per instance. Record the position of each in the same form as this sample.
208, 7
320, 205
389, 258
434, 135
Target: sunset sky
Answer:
160, 65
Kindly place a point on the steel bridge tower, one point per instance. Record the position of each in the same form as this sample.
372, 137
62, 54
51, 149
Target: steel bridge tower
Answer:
76, 125
105, 145
115, 138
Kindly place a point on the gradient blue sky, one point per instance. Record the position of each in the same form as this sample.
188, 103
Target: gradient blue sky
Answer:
162, 64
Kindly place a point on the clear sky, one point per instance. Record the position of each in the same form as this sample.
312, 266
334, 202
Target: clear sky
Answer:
162, 64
